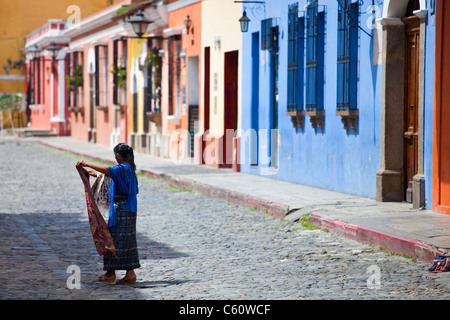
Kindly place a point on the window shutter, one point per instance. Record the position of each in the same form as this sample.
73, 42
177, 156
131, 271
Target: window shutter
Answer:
353, 50
115, 69
69, 73
347, 55
300, 61
97, 67
341, 53
265, 33
292, 57
320, 47
311, 56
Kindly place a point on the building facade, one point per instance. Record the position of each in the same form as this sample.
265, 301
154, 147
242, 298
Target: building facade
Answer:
164, 78
18, 20
336, 96
221, 95
406, 107
112, 102
97, 57
144, 77
45, 48
343, 95
312, 82
181, 76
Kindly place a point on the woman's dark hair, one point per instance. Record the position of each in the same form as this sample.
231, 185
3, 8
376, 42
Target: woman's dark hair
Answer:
126, 152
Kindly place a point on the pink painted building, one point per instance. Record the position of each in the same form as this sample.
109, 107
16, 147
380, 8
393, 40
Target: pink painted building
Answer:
45, 77
104, 75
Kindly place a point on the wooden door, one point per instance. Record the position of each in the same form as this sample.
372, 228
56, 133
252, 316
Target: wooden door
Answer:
206, 90
231, 99
412, 25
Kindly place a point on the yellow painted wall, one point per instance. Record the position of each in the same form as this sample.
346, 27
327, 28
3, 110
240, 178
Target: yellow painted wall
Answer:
220, 19
20, 17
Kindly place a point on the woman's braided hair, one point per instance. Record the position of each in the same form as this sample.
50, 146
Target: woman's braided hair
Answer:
126, 152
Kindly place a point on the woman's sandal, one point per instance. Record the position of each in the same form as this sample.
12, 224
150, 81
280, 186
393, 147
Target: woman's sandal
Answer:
126, 281
104, 279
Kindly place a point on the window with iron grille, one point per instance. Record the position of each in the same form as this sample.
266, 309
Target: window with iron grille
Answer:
347, 60
115, 77
315, 29
292, 57
71, 85
35, 80
74, 78
96, 76
296, 30
101, 76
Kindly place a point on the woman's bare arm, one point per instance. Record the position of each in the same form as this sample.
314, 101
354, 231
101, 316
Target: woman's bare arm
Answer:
97, 167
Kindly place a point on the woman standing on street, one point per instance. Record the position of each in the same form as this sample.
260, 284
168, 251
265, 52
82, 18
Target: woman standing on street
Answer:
122, 214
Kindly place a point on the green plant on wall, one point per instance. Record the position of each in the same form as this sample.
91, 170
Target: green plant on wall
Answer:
75, 78
121, 75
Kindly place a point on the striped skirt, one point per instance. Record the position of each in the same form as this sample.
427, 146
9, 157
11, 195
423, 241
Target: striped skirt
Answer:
124, 235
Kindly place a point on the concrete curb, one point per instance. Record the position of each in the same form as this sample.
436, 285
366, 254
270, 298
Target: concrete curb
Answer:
273, 208
392, 243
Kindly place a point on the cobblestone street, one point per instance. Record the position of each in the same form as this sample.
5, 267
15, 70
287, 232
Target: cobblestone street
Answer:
190, 246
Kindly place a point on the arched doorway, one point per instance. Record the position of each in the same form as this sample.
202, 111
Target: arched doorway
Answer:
401, 176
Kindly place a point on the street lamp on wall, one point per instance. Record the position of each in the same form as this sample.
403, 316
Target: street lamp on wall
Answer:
54, 50
187, 24
244, 20
139, 23
35, 51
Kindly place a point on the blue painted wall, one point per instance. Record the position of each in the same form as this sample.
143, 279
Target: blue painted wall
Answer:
333, 159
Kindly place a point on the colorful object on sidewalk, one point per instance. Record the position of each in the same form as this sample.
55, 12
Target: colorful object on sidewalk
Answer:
440, 264
100, 232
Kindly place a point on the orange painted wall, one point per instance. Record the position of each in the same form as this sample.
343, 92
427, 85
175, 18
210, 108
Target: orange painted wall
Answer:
192, 43
441, 149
